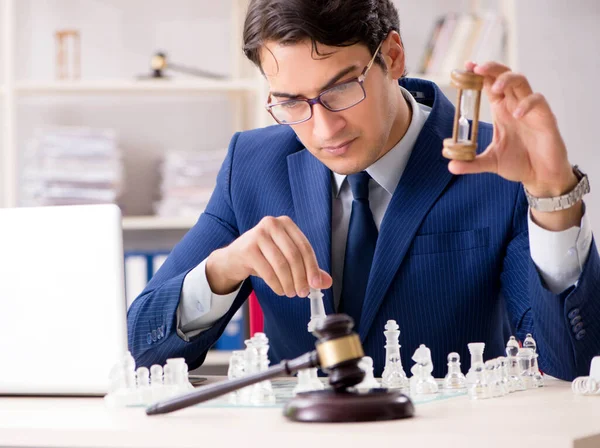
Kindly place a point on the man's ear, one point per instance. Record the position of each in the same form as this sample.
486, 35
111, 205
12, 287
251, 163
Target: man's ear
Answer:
393, 54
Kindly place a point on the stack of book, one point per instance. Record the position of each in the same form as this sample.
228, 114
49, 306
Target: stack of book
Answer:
457, 38
70, 166
188, 180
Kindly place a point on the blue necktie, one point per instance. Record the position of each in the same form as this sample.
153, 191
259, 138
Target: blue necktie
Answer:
360, 247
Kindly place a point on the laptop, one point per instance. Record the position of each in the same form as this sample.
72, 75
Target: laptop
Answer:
62, 299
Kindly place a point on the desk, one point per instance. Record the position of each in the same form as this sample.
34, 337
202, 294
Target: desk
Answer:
552, 417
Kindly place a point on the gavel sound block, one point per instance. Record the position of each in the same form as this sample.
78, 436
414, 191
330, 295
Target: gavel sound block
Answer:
338, 351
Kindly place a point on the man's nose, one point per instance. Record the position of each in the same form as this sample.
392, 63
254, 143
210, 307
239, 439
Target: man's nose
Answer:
327, 124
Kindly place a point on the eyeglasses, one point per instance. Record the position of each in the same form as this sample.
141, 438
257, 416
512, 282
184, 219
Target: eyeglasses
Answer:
336, 99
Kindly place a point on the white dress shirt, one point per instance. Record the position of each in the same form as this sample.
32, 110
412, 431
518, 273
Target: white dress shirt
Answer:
559, 256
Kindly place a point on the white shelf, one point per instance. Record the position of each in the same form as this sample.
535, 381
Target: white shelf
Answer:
164, 86
217, 358
157, 223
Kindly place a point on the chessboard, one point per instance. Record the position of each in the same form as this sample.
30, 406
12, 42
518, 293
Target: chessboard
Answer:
283, 389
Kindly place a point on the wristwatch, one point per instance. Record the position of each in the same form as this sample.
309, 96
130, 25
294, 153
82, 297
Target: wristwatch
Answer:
561, 202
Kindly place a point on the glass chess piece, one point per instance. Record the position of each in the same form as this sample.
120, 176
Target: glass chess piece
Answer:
156, 382
491, 377
369, 381
305, 382
262, 393
502, 368
477, 385
143, 382
515, 383
317, 309
236, 370
529, 342
422, 381
454, 381
393, 376
525, 359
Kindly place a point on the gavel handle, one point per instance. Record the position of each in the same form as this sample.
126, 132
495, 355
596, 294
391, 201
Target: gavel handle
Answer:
284, 368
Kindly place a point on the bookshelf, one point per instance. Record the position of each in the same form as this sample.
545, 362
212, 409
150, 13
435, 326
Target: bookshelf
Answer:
243, 90
503, 8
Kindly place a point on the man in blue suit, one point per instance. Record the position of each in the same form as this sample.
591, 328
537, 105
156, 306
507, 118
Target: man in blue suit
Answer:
351, 194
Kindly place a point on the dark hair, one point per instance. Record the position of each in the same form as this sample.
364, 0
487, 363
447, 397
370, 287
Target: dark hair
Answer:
335, 23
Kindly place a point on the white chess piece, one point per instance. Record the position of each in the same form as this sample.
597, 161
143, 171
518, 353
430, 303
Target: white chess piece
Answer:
515, 383
369, 381
455, 380
393, 376
529, 342
477, 385
422, 381
317, 309
305, 383
262, 393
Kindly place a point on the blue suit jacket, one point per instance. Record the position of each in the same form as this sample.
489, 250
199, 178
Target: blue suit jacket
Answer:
452, 262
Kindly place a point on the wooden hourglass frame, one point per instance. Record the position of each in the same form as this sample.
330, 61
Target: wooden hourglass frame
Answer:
454, 148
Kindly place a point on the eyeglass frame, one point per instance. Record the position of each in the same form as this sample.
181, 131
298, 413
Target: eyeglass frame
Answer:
317, 100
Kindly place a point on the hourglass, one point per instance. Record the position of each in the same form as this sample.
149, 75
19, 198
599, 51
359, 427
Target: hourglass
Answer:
463, 144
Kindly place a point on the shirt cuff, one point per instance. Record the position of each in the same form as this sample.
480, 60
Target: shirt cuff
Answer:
199, 308
560, 256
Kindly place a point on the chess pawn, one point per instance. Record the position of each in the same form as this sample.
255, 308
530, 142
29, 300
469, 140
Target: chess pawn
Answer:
143, 382
515, 383
491, 377
305, 382
503, 374
369, 382
422, 382
393, 376
455, 380
529, 342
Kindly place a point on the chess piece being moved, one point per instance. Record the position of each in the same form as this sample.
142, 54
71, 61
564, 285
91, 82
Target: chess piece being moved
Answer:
338, 352
463, 144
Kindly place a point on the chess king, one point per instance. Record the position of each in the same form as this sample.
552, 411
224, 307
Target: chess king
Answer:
349, 193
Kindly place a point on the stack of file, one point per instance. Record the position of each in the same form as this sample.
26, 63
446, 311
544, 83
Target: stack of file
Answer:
188, 180
70, 166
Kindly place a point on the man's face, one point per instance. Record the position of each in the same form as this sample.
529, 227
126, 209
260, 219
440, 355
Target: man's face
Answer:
348, 141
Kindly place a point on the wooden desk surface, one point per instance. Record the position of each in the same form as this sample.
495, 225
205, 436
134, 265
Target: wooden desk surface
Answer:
552, 417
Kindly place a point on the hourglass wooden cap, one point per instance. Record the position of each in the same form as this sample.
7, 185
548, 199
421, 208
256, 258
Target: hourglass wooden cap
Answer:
465, 80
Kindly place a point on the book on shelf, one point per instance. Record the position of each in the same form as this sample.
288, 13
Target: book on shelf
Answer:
141, 266
456, 38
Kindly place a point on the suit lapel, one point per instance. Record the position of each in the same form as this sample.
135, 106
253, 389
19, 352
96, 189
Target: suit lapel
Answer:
424, 179
310, 182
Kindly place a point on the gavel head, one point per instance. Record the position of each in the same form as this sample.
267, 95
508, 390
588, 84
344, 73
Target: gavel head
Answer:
339, 350
158, 63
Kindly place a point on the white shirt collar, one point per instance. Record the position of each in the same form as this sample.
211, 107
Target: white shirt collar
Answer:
388, 169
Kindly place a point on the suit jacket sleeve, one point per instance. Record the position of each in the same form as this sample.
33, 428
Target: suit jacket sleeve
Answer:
566, 326
152, 317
